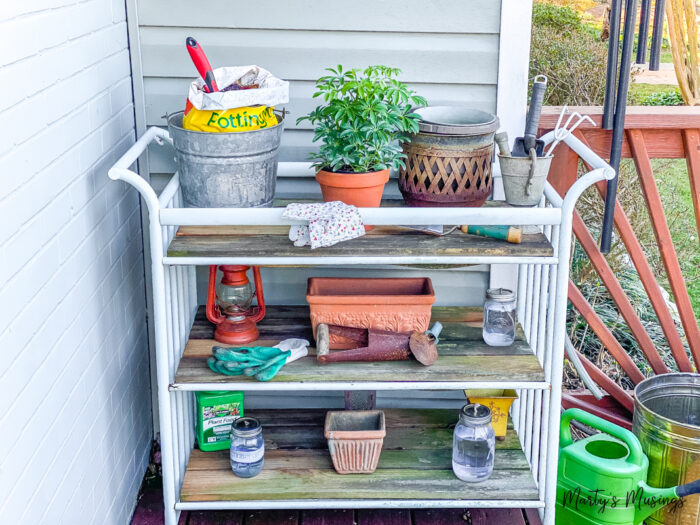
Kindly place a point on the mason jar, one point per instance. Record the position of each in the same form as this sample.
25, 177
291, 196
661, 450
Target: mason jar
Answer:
499, 317
247, 447
473, 444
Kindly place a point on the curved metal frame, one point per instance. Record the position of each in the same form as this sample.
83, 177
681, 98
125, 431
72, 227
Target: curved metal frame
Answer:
541, 279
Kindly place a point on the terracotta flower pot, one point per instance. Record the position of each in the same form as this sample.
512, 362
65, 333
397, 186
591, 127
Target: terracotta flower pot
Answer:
363, 190
355, 439
396, 304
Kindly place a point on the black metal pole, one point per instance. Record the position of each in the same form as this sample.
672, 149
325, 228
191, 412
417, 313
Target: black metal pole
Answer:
657, 36
643, 39
619, 124
611, 75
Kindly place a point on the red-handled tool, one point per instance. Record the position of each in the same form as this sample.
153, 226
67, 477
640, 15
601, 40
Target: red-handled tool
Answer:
202, 64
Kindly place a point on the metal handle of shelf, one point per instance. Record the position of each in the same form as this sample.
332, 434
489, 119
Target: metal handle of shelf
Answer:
121, 171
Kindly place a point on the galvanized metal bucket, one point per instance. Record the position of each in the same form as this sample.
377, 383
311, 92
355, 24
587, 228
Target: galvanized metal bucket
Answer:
667, 423
524, 178
226, 170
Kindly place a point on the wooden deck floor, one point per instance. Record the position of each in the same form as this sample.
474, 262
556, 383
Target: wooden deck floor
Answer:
150, 512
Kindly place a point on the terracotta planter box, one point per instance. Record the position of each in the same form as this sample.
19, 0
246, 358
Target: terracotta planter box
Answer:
355, 439
396, 304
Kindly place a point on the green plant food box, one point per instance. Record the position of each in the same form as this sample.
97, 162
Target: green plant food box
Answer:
216, 412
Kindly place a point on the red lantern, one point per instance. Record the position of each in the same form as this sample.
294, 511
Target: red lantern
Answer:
229, 304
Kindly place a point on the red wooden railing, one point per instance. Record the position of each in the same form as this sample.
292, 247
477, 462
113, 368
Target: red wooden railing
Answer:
650, 133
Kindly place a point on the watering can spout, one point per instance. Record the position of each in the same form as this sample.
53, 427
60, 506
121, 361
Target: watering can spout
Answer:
652, 499
647, 500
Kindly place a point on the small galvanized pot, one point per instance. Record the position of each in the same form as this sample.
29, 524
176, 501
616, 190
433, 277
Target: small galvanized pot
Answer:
524, 178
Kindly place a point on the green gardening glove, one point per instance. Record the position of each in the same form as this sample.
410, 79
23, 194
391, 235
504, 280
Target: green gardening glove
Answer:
261, 362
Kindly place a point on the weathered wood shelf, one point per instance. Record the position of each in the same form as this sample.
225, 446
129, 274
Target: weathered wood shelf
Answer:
384, 244
415, 467
465, 360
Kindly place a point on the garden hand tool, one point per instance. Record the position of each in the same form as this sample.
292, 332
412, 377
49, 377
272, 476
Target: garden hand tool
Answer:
602, 478
502, 142
377, 345
424, 345
513, 234
561, 132
261, 362
529, 141
431, 229
202, 64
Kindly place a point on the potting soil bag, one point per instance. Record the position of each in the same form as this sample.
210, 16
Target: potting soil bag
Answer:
246, 100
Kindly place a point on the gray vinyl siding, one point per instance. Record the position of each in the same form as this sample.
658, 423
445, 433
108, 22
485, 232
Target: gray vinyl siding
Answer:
447, 50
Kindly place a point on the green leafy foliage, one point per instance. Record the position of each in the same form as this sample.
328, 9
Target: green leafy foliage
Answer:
556, 17
664, 98
366, 116
570, 53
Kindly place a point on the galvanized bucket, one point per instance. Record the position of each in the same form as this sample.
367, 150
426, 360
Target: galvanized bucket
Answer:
524, 178
667, 423
226, 170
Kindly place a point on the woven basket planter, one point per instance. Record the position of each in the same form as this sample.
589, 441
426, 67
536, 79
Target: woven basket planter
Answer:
449, 164
355, 439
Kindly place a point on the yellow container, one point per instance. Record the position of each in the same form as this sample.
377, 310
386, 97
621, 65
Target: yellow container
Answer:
499, 401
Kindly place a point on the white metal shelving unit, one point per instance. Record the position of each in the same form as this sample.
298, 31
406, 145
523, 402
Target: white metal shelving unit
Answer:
542, 302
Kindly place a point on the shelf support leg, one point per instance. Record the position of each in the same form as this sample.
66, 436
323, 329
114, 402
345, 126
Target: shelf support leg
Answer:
360, 400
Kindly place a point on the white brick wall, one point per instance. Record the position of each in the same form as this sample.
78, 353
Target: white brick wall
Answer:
75, 424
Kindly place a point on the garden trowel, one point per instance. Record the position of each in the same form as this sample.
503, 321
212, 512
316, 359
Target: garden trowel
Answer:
524, 144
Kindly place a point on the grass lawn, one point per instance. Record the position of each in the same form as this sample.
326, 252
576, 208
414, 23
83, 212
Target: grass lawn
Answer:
638, 91
674, 187
666, 55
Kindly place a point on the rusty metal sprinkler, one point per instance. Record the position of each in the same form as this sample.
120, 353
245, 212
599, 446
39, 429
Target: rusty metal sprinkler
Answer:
378, 345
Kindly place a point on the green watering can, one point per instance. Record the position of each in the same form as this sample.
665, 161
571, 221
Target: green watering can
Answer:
602, 478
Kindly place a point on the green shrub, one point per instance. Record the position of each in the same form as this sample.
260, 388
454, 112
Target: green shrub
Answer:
559, 18
570, 54
664, 98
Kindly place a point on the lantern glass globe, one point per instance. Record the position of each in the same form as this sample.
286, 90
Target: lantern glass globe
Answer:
234, 300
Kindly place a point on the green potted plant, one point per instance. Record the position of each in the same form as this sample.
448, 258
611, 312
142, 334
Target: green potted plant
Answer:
366, 116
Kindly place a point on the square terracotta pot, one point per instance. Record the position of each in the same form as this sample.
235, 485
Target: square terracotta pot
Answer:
396, 304
355, 439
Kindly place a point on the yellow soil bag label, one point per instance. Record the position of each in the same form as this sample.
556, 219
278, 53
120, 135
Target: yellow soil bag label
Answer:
228, 120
